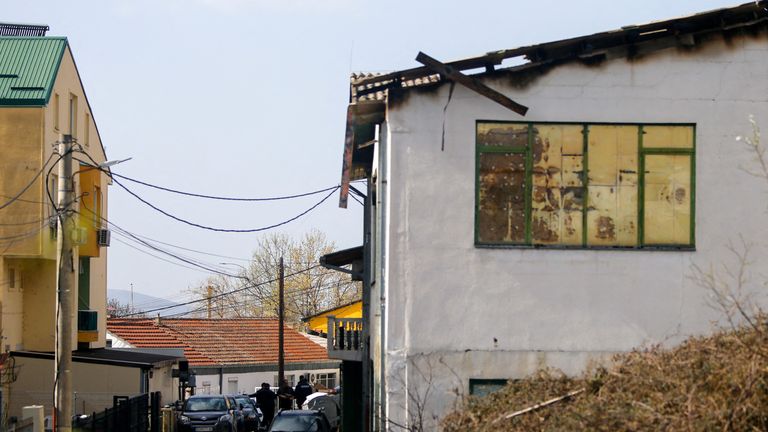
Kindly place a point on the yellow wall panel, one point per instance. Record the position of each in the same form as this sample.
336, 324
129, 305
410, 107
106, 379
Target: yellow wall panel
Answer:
667, 199
557, 197
668, 137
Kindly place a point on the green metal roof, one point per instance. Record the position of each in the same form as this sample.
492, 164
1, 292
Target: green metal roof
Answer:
28, 67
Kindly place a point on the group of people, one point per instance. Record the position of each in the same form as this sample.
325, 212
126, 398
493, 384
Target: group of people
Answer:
285, 396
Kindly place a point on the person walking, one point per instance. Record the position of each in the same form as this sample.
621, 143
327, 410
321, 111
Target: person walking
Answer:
303, 389
285, 395
266, 400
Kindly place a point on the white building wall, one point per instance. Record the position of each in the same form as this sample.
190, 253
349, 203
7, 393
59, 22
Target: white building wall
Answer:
462, 312
248, 382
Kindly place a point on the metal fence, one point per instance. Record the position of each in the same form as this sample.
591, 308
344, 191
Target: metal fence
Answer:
137, 414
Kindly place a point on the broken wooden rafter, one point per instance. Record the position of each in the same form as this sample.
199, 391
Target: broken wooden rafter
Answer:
540, 405
470, 83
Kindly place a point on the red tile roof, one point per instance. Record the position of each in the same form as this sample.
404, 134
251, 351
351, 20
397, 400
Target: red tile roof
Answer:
214, 342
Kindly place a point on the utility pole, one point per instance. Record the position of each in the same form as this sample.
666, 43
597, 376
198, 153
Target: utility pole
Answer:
280, 332
210, 293
65, 276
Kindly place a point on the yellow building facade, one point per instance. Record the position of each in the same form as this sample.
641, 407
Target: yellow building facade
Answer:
41, 98
319, 323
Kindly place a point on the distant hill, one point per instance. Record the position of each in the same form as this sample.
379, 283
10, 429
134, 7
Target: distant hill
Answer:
144, 302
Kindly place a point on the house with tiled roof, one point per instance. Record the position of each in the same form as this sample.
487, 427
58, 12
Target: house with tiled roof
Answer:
229, 355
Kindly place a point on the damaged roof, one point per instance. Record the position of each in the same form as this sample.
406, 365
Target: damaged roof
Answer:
627, 42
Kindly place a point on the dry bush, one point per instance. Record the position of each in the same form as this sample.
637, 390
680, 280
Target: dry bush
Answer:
719, 382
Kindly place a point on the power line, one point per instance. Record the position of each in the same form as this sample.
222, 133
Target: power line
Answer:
222, 198
209, 228
205, 227
222, 294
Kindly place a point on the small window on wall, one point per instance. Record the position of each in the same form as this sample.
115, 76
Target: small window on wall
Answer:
585, 185
484, 387
14, 279
87, 130
11, 279
73, 115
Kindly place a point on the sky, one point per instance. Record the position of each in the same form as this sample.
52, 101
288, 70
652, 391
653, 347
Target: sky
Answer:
247, 98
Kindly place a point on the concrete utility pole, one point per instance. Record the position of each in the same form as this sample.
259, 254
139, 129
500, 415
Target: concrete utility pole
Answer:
66, 277
280, 332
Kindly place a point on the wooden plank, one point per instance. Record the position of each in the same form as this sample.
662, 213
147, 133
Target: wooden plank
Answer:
470, 83
349, 147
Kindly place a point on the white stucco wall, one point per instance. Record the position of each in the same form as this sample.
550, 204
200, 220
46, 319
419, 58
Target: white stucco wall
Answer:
502, 313
249, 382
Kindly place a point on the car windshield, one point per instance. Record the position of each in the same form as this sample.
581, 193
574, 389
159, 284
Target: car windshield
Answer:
294, 424
206, 404
245, 401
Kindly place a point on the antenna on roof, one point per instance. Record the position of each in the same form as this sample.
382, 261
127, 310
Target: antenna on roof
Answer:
8, 29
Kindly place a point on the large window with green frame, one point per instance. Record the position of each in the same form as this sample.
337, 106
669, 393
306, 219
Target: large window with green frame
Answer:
585, 185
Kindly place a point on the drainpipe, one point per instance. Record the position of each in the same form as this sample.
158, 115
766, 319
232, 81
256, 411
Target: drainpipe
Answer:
380, 223
221, 380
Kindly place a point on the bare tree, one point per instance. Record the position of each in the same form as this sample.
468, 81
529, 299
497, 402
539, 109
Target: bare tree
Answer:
309, 288
115, 309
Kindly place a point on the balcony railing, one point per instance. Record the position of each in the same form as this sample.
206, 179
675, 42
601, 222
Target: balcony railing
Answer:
345, 338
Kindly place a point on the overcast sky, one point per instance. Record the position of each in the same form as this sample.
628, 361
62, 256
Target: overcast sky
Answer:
248, 97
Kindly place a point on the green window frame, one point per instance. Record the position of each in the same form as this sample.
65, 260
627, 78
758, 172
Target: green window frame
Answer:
585, 185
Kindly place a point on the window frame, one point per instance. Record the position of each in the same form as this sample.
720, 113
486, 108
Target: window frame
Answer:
527, 151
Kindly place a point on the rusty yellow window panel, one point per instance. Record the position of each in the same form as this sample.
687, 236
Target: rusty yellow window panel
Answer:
501, 212
557, 155
502, 135
668, 137
611, 149
552, 184
667, 204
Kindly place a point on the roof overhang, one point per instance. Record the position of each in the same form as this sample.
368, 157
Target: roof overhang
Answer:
108, 356
346, 257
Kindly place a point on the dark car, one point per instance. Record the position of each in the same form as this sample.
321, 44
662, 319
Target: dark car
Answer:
251, 417
300, 421
208, 413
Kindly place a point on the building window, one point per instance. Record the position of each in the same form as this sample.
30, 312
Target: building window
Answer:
11, 279
73, 115
56, 111
232, 385
87, 130
484, 387
325, 380
585, 185
290, 378
206, 388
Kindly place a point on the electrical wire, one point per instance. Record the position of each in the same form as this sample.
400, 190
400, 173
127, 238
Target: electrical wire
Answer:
206, 227
223, 294
222, 198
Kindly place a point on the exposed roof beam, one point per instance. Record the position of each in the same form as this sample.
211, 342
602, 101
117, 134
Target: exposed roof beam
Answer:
471, 83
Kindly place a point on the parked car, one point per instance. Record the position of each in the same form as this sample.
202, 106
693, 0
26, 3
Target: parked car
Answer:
300, 421
328, 404
251, 415
208, 413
